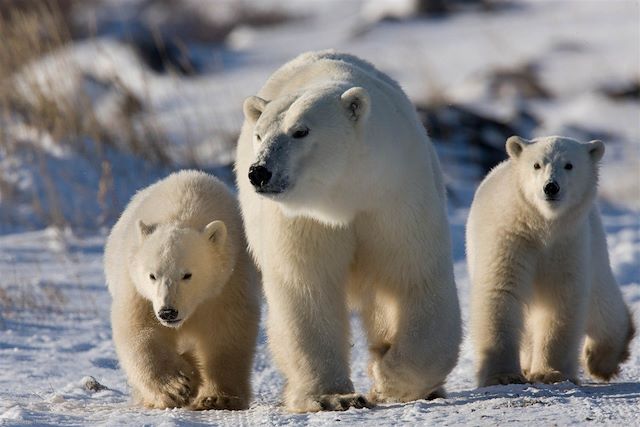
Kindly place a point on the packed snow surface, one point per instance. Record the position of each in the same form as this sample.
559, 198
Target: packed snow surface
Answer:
57, 334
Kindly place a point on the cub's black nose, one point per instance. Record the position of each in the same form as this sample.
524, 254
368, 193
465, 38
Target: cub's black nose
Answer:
259, 176
168, 314
551, 188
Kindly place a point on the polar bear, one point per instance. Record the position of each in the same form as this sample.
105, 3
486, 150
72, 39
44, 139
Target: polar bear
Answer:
539, 268
186, 298
343, 201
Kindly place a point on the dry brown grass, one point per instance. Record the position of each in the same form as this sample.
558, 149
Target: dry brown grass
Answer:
36, 107
27, 35
29, 31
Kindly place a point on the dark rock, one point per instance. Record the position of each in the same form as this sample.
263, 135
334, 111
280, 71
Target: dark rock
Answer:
444, 8
91, 384
470, 137
522, 82
623, 91
583, 133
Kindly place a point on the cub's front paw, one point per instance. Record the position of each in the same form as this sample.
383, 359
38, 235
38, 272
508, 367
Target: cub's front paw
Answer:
504, 379
170, 391
330, 402
208, 401
550, 377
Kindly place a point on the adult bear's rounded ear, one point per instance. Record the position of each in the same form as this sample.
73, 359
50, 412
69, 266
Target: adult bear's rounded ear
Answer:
596, 149
253, 107
144, 230
356, 103
216, 232
515, 145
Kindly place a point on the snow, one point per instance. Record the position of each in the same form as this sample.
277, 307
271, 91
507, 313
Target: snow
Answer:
54, 306
56, 331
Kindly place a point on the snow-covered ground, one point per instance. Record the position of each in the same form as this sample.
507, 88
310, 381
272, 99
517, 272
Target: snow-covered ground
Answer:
54, 306
55, 331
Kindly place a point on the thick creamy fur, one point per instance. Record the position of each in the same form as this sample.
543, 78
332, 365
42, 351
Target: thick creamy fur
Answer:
190, 224
540, 269
361, 217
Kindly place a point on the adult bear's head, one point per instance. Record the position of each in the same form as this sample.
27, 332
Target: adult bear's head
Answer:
304, 147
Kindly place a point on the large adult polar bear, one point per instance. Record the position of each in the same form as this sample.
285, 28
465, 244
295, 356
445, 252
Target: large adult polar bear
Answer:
186, 299
540, 270
343, 199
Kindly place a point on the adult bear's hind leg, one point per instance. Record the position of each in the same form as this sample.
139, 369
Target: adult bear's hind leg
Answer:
415, 361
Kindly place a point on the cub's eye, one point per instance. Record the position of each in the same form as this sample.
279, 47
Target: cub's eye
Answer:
536, 166
152, 276
300, 133
186, 276
258, 137
568, 166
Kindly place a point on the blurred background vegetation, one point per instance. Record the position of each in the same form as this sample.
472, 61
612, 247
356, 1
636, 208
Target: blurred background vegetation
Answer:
101, 97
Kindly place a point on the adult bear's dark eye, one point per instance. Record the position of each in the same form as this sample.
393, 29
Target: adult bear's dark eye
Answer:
186, 276
536, 166
258, 137
152, 276
300, 133
568, 166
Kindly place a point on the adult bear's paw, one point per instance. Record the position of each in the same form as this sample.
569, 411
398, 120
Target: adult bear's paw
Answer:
330, 402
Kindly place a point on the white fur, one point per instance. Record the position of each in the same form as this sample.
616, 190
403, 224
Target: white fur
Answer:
187, 223
361, 216
540, 268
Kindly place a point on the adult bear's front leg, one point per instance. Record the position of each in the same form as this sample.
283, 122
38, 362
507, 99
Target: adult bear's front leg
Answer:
308, 330
308, 322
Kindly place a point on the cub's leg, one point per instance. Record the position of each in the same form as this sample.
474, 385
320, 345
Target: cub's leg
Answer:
556, 336
225, 347
610, 326
610, 329
526, 346
502, 281
559, 312
160, 378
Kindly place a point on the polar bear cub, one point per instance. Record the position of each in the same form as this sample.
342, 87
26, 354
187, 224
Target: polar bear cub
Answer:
343, 200
186, 307
540, 270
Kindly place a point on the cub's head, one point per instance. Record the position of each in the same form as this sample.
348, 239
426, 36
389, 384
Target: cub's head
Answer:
556, 174
304, 144
177, 268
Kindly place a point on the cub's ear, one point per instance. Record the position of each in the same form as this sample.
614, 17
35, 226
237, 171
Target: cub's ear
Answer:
356, 103
144, 230
596, 149
216, 232
253, 107
515, 145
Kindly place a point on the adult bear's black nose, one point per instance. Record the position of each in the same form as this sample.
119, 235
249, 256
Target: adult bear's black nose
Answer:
551, 188
168, 314
259, 176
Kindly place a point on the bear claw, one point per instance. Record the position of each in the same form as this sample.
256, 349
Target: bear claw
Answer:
550, 377
218, 401
342, 402
175, 391
504, 379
